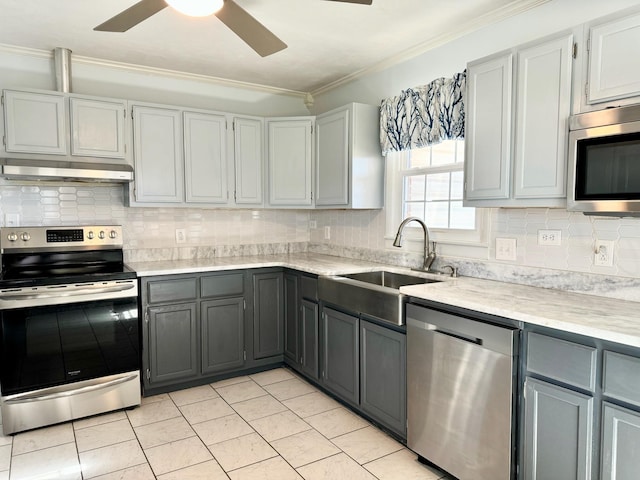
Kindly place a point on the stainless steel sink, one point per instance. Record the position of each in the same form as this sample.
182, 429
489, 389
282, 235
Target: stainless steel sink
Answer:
375, 293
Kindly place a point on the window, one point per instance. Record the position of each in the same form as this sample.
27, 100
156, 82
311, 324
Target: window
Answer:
428, 183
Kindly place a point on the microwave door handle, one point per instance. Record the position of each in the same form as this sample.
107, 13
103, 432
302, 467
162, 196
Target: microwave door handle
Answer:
61, 293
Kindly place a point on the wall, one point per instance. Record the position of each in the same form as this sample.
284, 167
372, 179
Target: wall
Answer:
149, 233
358, 233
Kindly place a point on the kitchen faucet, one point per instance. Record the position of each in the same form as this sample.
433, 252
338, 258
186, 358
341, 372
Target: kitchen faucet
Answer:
429, 256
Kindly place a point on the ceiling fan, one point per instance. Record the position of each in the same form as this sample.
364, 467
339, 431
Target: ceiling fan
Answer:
254, 34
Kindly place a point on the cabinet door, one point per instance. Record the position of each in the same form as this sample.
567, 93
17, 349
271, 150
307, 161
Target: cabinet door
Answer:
332, 159
291, 347
383, 359
620, 443
35, 123
173, 343
558, 431
97, 128
205, 158
488, 128
290, 162
543, 107
614, 64
157, 141
340, 355
222, 330
309, 338
268, 316
248, 160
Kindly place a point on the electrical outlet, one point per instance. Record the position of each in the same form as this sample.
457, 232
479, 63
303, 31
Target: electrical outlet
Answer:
313, 224
181, 235
327, 233
549, 237
506, 249
603, 256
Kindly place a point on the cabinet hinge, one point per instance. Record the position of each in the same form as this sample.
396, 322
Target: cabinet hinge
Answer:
125, 113
233, 125
465, 186
132, 113
146, 318
586, 90
148, 374
588, 44
244, 304
2, 100
3, 141
235, 196
244, 355
311, 195
125, 148
302, 360
575, 50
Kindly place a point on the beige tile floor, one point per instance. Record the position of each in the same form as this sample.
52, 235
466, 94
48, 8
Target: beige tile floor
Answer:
271, 425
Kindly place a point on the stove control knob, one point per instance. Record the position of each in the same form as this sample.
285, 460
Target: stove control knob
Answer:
113, 234
101, 235
25, 237
12, 237
90, 235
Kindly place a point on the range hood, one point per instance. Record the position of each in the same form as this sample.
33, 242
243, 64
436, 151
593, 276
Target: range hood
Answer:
24, 169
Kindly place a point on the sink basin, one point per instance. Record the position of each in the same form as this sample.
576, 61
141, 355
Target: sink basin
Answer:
389, 279
375, 294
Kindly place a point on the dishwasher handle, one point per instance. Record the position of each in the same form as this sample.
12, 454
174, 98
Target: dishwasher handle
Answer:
492, 337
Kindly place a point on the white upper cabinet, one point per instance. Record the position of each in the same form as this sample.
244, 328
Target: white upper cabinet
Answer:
205, 158
97, 128
543, 106
35, 123
614, 63
488, 128
290, 161
248, 160
157, 141
516, 153
349, 163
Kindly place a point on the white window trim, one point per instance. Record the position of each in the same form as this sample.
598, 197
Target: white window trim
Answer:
414, 236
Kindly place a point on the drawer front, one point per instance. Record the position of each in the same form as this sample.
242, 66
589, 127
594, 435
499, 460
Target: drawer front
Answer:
160, 291
621, 379
223, 285
309, 287
560, 360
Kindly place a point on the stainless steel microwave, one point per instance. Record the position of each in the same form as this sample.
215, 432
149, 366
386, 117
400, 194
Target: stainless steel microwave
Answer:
604, 162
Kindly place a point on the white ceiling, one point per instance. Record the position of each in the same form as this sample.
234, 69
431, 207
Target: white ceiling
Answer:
327, 40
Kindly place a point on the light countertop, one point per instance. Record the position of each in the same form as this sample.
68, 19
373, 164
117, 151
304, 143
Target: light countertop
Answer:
594, 316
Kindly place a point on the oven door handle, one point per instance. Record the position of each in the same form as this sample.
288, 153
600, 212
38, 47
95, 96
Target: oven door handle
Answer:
36, 397
69, 293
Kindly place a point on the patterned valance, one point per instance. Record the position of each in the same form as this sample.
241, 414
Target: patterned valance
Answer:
424, 115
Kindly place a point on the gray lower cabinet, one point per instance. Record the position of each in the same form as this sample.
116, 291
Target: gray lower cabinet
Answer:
268, 315
222, 334
173, 343
291, 330
340, 354
557, 432
620, 443
309, 338
383, 354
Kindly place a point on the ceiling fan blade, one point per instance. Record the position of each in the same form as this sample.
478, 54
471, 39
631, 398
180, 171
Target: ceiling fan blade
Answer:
249, 29
132, 16
362, 2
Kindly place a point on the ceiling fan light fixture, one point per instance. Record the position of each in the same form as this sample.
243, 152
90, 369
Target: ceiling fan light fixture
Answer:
196, 8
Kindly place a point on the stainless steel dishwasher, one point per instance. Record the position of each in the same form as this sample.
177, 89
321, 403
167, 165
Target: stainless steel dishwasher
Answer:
460, 380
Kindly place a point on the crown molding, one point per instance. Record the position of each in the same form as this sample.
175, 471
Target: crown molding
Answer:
494, 16
129, 67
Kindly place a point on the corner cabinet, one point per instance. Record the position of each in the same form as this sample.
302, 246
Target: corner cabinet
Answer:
349, 164
533, 132
290, 147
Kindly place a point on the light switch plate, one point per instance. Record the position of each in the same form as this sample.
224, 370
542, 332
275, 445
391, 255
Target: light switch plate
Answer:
506, 249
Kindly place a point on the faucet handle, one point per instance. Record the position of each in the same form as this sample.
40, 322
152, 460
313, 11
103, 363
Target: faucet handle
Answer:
454, 270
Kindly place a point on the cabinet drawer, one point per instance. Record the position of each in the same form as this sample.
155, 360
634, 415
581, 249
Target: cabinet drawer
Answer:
560, 360
172, 290
309, 287
621, 379
224, 285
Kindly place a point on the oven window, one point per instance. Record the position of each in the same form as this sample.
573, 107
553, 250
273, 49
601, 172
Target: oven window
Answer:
608, 168
54, 345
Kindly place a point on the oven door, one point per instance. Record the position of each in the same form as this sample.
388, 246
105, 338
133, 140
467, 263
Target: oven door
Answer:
59, 336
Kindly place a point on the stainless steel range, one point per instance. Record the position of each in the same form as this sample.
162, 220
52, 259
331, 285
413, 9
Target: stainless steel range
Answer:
69, 325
